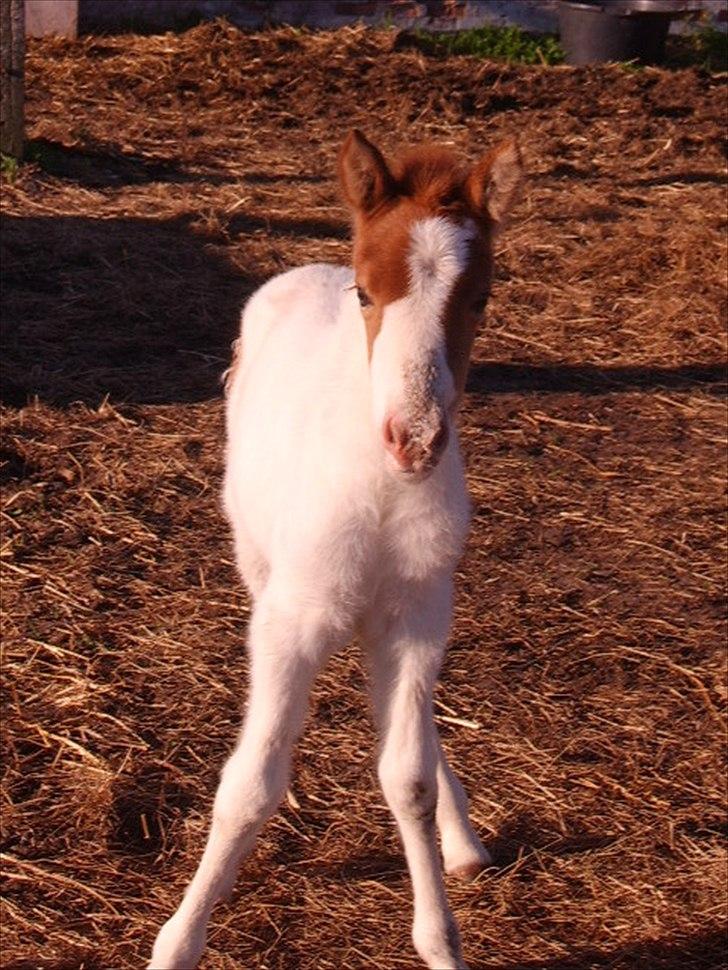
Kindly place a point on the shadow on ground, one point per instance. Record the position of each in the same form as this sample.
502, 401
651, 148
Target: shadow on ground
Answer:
99, 163
103, 164
500, 378
141, 310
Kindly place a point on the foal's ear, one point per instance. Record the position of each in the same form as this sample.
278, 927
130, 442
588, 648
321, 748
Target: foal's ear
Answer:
492, 184
365, 179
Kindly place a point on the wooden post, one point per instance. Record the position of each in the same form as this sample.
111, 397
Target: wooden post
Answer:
12, 56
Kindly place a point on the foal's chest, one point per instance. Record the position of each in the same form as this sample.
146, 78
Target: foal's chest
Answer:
424, 526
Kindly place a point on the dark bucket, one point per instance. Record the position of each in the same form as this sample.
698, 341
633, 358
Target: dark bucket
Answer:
592, 33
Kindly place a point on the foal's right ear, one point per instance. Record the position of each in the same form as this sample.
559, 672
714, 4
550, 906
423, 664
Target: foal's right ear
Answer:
365, 179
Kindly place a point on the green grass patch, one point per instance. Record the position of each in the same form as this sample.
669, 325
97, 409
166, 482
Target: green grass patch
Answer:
706, 48
9, 166
509, 44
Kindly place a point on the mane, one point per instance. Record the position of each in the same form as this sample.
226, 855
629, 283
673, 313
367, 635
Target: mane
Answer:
432, 174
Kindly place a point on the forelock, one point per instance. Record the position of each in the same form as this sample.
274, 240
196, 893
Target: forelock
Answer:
432, 175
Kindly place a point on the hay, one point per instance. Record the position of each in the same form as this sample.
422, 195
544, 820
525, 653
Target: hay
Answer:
584, 691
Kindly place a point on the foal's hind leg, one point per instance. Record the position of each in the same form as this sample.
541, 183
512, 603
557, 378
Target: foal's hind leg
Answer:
463, 853
286, 653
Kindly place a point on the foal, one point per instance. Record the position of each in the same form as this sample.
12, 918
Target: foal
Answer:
345, 490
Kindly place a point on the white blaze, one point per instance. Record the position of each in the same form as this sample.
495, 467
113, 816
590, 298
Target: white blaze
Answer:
410, 376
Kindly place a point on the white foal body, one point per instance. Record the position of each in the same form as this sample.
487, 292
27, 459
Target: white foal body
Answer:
346, 495
322, 503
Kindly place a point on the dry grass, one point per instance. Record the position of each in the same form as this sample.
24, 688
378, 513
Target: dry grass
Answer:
584, 690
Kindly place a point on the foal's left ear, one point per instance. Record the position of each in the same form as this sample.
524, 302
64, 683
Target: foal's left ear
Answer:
492, 184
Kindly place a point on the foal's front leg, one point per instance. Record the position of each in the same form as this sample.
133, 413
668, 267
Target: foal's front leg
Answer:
404, 652
285, 655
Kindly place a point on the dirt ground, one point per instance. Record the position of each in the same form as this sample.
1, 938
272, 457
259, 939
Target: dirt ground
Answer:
583, 695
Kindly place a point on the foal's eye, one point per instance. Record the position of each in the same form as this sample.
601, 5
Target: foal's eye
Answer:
364, 299
479, 305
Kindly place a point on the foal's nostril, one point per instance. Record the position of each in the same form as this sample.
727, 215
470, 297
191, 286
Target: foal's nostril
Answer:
396, 441
388, 432
396, 436
414, 453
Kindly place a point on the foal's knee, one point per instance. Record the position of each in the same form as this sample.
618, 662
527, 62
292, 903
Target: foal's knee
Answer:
411, 795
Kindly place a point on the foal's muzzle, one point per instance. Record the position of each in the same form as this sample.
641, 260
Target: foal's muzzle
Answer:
415, 449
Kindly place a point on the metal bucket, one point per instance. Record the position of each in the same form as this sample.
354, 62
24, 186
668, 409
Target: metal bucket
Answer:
595, 31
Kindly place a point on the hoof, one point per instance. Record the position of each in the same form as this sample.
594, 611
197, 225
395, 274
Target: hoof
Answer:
177, 947
440, 950
470, 864
469, 870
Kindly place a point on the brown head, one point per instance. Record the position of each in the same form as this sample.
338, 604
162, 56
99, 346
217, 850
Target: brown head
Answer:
424, 225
